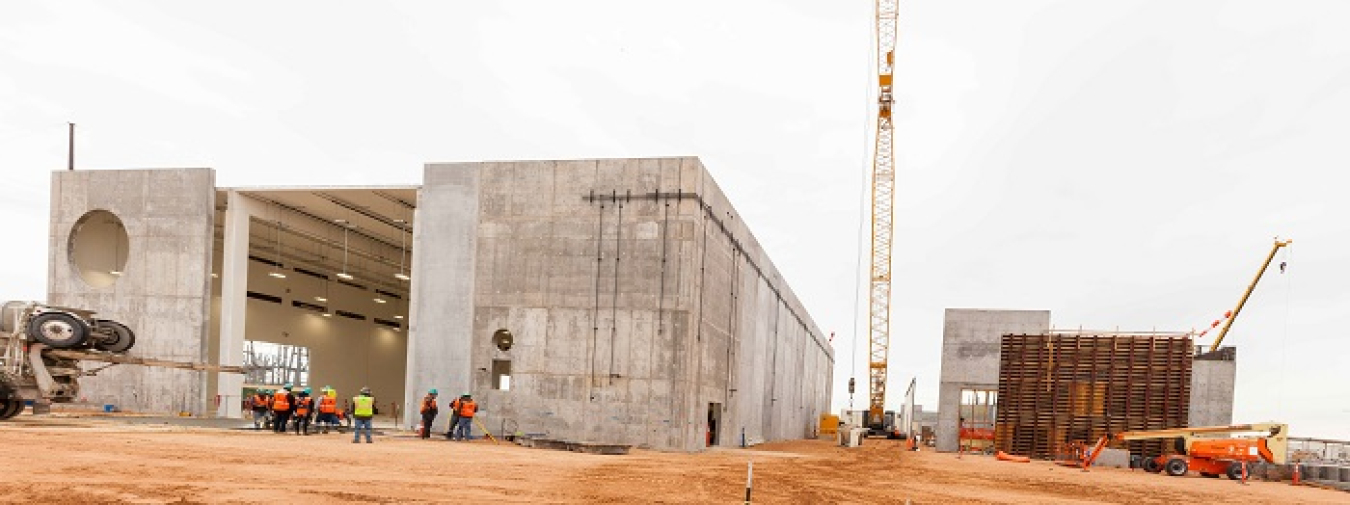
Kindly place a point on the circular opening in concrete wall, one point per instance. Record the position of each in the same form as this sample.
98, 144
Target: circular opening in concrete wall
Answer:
98, 248
502, 339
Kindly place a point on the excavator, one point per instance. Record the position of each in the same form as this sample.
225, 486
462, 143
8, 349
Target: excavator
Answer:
1210, 451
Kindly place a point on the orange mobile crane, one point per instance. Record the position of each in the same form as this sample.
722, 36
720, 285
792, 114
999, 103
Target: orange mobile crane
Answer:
1210, 451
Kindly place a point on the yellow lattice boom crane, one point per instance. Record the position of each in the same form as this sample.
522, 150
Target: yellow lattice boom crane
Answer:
883, 201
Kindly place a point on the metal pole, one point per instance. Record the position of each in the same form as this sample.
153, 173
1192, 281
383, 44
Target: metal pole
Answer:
70, 144
749, 480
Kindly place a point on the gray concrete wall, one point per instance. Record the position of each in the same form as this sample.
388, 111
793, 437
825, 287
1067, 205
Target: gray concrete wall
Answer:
970, 358
441, 304
1212, 385
164, 291
636, 296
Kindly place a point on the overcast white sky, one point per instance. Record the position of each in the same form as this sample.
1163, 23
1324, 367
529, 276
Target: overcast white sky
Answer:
1122, 164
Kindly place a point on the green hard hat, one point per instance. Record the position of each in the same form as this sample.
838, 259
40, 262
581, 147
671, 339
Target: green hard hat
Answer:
287, 386
432, 392
307, 390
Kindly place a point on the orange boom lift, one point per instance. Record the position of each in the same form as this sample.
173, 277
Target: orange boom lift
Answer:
1210, 451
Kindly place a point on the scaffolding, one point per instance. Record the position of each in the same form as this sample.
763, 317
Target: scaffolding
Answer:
1058, 389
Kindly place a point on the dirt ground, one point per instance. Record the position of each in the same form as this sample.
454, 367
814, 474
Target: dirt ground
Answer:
90, 460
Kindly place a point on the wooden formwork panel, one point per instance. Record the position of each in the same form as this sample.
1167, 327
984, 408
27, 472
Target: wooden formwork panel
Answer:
1056, 389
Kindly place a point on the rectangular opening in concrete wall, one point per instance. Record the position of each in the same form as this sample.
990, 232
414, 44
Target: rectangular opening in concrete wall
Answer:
714, 422
977, 414
274, 364
325, 270
501, 374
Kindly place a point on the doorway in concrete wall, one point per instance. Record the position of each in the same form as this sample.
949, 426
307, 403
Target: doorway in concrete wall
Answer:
714, 422
321, 274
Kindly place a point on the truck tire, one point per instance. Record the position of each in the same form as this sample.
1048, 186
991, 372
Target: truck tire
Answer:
122, 337
60, 331
1234, 471
1151, 465
1176, 467
10, 408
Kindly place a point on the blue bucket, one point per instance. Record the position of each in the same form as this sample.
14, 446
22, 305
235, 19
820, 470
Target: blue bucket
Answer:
109, 408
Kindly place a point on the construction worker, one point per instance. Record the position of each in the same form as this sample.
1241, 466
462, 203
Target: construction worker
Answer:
283, 402
464, 425
363, 409
327, 410
304, 407
429, 411
454, 419
260, 408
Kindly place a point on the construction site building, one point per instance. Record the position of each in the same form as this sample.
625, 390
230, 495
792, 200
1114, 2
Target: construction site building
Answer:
617, 301
971, 354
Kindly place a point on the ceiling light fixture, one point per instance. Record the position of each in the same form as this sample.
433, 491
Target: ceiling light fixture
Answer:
274, 272
379, 300
403, 250
320, 298
346, 231
399, 316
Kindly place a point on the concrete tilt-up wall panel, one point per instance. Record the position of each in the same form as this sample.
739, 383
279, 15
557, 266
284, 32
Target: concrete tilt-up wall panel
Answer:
163, 292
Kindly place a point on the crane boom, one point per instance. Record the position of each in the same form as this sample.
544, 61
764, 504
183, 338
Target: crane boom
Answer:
883, 199
1247, 294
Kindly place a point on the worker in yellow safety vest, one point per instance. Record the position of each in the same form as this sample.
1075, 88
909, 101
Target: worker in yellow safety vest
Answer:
363, 409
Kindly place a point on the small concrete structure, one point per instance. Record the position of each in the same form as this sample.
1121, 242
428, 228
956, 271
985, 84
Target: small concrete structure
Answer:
970, 358
1113, 458
1213, 376
970, 361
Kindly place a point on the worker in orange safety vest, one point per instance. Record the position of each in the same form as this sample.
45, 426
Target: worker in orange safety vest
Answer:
454, 419
259, 406
464, 425
429, 411
304, 406
283, 402
327, 417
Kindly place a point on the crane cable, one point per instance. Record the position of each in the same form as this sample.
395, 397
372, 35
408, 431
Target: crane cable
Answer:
1284, 338
862, 206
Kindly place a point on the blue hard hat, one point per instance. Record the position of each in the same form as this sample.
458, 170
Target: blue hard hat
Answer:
307, 390
287, 386
432, 392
